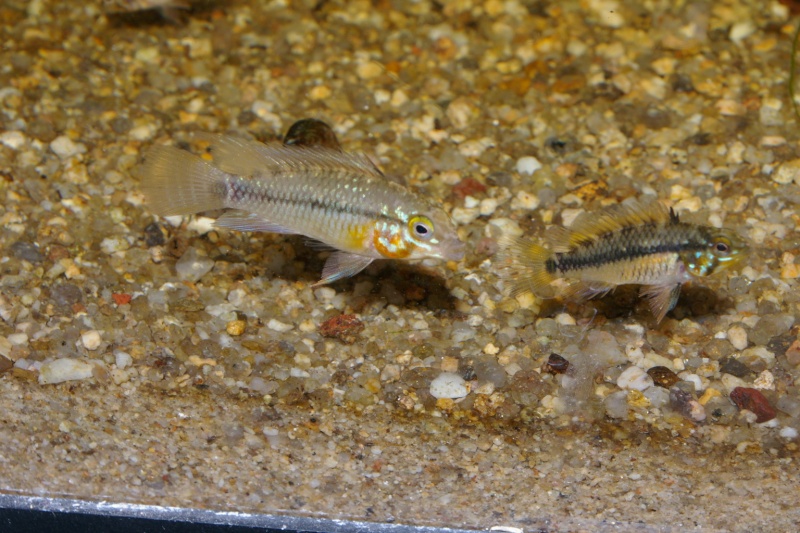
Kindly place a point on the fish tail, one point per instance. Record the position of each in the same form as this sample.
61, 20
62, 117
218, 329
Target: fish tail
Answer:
179, 183
526, 266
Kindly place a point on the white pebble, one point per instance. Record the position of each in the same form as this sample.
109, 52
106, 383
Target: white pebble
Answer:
741, 30
277, 325
764, 381
65, 147
525, 200
528, 165
565, 319
145, 132
13, 139
488, 206
91, 339
463, 215
788, 433
692, 378
122, 359
448, 385
634, 378
18, 339
738, 337
66, 369
192, 266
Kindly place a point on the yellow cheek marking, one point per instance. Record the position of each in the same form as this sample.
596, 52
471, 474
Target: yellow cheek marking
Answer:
391, 245
357, 236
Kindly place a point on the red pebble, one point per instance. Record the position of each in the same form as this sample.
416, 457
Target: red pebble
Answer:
468, 187
754, 401
342, 327
121, 299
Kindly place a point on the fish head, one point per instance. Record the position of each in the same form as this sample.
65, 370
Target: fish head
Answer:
724, 249
433, 234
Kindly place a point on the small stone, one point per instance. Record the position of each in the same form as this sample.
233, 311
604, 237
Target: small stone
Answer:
236, 327
91, 339
13, 139
66, 369
663, 376
528, 165
121, 299
448, 385
525, 200
765, 381
192, 266
755, 402
154, 235
122, 359
27, 251
634, 378
555, 365
66, 295
738, 337
617, 404
787, 172
6, 364
685, 403
788, 433
277, 325
793, 353
343, 327
64, 147
734, 367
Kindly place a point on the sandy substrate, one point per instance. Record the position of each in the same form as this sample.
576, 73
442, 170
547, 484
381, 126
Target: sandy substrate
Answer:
168, 362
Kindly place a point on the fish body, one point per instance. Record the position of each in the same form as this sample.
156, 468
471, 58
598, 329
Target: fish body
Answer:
305, 186
636, 243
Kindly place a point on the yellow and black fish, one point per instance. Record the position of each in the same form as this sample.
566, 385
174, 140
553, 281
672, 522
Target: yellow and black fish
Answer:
634, 243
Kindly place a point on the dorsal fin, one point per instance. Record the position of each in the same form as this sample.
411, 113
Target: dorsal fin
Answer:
589, 226
312, 132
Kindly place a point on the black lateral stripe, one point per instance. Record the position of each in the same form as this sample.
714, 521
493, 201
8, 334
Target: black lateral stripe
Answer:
599, 252
238, 191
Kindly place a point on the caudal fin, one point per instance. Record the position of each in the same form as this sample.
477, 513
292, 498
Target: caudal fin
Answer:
525, 266
179, 183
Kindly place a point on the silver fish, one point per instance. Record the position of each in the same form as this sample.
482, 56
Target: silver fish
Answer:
305, 186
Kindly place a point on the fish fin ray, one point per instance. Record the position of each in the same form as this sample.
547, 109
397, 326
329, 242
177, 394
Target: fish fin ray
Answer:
580, 291
245, 157
524, 266
589, 225
342, 265
662, 298
177, 182
244, 221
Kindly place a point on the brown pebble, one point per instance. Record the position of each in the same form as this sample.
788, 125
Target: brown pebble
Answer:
5, 364
343, 327
793, 353
753, 401
235, 327
555, 364
663, 376
468, 187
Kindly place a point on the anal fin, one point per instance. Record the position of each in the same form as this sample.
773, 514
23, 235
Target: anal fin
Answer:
662, 298
244, 221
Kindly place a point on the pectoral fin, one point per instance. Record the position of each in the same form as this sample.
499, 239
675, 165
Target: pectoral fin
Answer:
342, 265
244, 221
662, 298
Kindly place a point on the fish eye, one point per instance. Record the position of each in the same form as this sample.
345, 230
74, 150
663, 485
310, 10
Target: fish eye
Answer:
421, 227
722, 246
